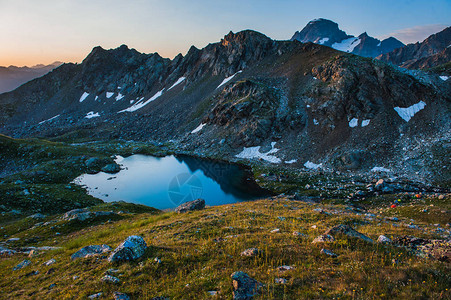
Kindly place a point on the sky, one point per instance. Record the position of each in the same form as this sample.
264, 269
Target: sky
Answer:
43, 31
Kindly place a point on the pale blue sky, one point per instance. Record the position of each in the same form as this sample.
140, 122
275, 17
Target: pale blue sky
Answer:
42, 31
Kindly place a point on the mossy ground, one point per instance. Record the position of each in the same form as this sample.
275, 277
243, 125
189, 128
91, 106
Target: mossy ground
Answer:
200, 250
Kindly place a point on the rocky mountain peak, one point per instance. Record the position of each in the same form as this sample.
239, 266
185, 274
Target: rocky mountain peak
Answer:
320, 31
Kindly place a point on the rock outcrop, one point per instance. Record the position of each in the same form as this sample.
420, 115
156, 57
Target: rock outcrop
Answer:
197, 204
131, 249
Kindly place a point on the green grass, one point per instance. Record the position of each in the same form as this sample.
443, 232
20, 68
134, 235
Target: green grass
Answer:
199, 251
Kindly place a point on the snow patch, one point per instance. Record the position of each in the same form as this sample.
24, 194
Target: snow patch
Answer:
408, 112
97, 97
177, 82
84, 96
444, 78
347, 45
365, 123
315, 122
198, 128
353, 123
228, 79
141, 104
119, 97
323, 40
378, 45
109, 94
254, 152
291, 161
380, 169
313, 166
42, 122
91, 115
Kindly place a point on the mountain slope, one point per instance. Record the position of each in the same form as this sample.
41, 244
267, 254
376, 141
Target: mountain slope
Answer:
429, 53
327, 33
247, 97
12, 77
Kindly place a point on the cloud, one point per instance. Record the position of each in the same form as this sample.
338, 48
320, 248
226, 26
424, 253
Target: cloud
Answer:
417, 33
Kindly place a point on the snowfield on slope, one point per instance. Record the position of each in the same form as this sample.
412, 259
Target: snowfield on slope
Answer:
141, 104
84, 96
347, 45
42, 122
198, 128
180, 80
408, 112
228, 79
254, 152
92, 114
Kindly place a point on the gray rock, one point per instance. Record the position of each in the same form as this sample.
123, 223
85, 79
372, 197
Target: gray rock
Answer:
384, 240
22, 264
37, 216
82, 214
91, 250
5, 252
111, 168
251, 252
50, 262
120, 296
110, 279
95, 296
324, 238
131, 249
197, 204
244, 287
349, 231
328, 252
280, 280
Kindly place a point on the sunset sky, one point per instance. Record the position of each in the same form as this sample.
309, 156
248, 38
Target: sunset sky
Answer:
44, 31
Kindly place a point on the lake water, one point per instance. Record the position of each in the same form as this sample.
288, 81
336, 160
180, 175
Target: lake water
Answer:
169, 181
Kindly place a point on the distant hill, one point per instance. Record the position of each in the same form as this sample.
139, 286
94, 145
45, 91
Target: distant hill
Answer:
12, 77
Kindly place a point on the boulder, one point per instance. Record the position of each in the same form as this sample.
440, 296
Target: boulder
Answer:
324, 238
95, 296
244, 287
349, 231
131, 249
111, 168
91, 250
197, 204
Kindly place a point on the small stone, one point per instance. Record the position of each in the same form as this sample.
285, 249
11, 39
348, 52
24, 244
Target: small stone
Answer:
324, 238
22, 264
384, 240
157, 260
285, 268
110, 279
313, 226
277, 230
441, 197
50, 262
251, 252
52, 286
120, 296
95, 296
328, 252
33, 253
349, 231
75, 277
213, 293
280, 280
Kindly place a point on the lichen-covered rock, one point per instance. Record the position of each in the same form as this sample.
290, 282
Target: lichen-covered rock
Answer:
197, 204
324, 238
91, 250
436, 249
349, 231
120, 296
131, 249
251, 252
244, 287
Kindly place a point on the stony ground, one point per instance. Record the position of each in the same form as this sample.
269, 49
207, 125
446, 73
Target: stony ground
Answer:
193, 255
